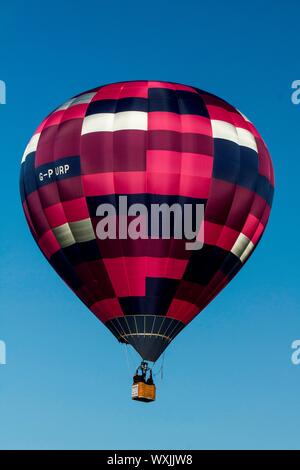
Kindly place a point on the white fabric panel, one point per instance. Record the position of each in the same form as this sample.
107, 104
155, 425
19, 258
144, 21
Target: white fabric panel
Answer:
82, 99
31, 146
111, 122
82, 230
247, 252
246, 138
240, 245
224, 130
64, 235
238, 135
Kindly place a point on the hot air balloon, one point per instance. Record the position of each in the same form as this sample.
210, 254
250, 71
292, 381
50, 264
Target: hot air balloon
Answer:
156, 143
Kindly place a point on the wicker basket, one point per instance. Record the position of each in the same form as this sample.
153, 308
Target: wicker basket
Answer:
143, 392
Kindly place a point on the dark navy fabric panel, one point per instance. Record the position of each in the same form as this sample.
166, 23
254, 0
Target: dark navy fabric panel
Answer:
144, 305
156, 286
159, 295
146, 199
30, 181
34, 178
230, 265
61, 169
264, 189
226, 160
82, 252
180, 102
239, 165
205, 263
64, 268
113, 106
248, 172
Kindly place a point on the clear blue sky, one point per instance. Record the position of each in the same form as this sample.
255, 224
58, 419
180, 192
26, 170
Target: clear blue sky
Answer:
229, 381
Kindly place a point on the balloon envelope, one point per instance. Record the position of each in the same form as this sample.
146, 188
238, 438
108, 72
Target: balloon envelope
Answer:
156, 143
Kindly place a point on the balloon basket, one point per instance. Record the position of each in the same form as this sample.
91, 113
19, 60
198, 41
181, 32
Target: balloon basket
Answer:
143, 392
143, 388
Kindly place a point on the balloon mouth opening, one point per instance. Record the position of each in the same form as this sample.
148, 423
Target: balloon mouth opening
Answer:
149, 335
